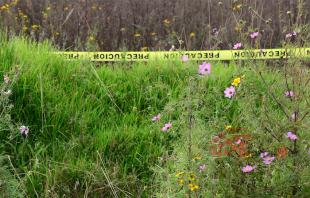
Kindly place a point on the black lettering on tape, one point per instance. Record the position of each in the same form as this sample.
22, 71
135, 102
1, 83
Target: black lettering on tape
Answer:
271, 54
217, 55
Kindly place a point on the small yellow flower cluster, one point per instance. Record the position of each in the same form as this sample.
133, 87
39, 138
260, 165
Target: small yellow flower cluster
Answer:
46, 11
5, 7
192, 34
197, 157
137, 35
144, 49
178, 174
193, 187
192, 177
181, 175
167, 22
228, 127
248, 156
237, 7
22, 15
91, 38
236, 82
181, 182
35, 27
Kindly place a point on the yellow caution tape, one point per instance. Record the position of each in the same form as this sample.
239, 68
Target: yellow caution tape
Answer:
192, 55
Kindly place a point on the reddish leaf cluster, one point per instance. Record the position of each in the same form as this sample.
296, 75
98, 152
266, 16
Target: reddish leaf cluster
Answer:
233, 144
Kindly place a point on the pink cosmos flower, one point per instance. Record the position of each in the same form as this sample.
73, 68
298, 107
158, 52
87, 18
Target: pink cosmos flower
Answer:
248, 168
267, 159
291, 136
156, 118
185, 58
24, 130
289, 94
237, 46
264, 154
254, 35
6, 78
230, 92
238, 141
204, 68
202, 168
166, 127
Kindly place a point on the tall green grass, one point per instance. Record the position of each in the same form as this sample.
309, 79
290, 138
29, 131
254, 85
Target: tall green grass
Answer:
91, 132
78, 113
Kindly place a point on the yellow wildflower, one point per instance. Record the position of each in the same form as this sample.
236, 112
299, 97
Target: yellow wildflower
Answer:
236, 81
193, 187
181, 182
25, 28
153, 34
192, 34
25, 16
228, 127
144, 48
5, 7
238, 28
248, 156
91, 38
167, 22
35, 27
237, 7
137, 35
192, 177
197, 157
178, 174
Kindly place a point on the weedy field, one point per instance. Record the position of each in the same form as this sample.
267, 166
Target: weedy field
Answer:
179, 128
156, 129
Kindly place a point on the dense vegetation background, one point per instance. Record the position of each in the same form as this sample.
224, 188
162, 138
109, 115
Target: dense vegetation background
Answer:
152, 25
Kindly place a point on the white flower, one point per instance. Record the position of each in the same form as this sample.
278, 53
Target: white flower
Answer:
8, 92
24, 130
